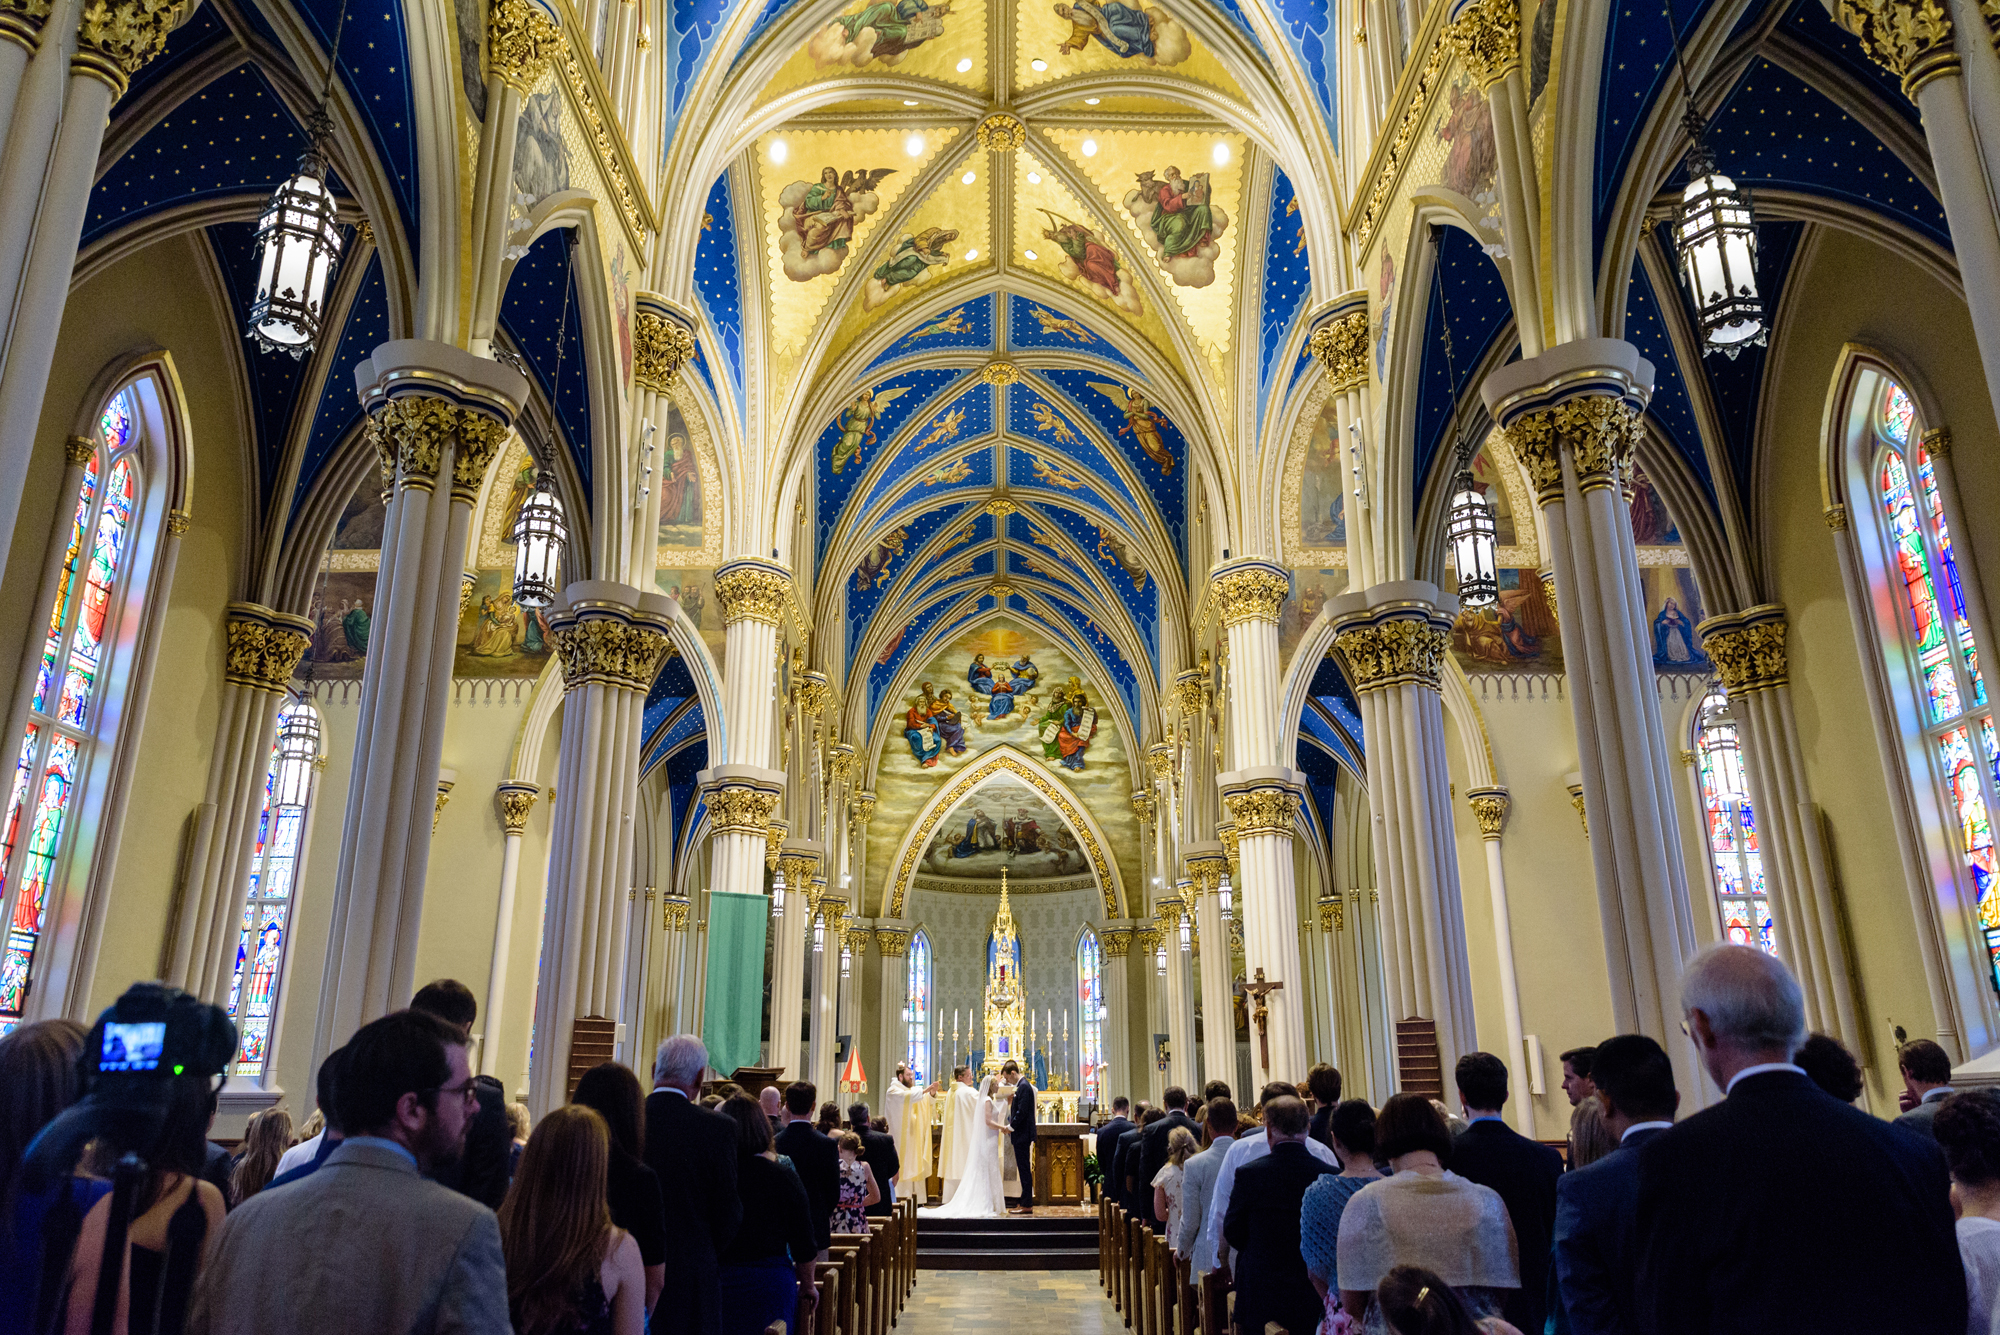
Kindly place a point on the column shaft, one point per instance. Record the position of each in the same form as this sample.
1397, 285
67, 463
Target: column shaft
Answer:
1119, 1075
515, 801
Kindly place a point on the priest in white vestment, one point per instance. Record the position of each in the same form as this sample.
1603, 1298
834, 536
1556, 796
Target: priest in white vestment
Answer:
909, 1113
961, 1119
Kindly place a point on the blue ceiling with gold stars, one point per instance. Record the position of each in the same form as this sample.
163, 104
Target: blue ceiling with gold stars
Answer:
540, 314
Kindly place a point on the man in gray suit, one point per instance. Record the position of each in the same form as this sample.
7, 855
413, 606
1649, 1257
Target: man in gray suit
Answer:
1198, 1178
1926, 1069
369, 1243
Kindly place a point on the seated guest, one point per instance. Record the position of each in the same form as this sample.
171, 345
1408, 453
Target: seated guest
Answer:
368, 1243
631, 1189
1495, 1155
1323, 1081
1926, 1071
1593, 1246
857, 1186
767, 1268
1198, 1175
1424, 1216
878, 1151
39, 1079
1828, 1064
1778, 1179
1352, 1128
1968, 1131
265, 1140
813, 1155
1251, 1144
1262, 1225
1167, 1182
570, 1270
693, 1153
1413, 1301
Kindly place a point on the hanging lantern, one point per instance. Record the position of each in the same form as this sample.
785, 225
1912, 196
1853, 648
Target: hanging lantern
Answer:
1225, 896
539, 539
1715, 233
1187, 934
1470, 533
819, 935
1727, 755
778, 894
298, 750
298, 245
1160, 959
846, 957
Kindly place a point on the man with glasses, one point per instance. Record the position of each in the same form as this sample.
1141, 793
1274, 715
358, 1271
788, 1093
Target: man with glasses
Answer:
369, 1242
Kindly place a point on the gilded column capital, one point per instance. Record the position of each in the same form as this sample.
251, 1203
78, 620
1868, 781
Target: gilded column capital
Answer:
1143, 806
1250, 591
1338, 341
1835, 517
21, 22
1191, 691
522, 41
1206, 869
1937, 442
1147, 939
1394, 644
839, 762
861, 807
663, 341
1912, 39
1262, 808
515, 800
800, 865
263, 647
412, 430
444, 787
115, 39
815, 693
605, 644
674, 912
1489, 808
78, 451
1160, 760
1332, 912
1599, 430
753, 591
892, 942
1117, 942
1582, 813
1748, 648
1487, 36
774, 840
740, 808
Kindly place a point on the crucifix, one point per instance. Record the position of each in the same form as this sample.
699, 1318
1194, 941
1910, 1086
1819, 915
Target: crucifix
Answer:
1258, 991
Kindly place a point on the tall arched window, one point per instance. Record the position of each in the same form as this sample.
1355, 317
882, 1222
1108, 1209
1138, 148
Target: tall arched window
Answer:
917, 1008
64, 708
267, 911
1951, 695
1090, 1013
1735, 863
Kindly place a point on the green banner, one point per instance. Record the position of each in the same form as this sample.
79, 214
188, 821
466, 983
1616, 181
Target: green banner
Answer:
733, 1016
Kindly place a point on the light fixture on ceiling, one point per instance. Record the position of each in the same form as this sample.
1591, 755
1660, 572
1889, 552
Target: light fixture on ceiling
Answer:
1187, 934
968, 178
298, 238
1469, 529
1038, 65
1034, 178
540, 537
778, 893
1030, 254
965, 65
1225, 898
1090, 148
778, 151
914, 145
1715, 233
1092, 101
298, 750
1220, 154
909, 102
972, 254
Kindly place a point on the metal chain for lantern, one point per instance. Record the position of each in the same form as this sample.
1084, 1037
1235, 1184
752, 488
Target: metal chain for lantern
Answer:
1470, 532
541, 534
1715, 236
298, 238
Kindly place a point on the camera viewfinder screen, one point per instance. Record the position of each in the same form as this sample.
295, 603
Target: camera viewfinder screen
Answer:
132, 1047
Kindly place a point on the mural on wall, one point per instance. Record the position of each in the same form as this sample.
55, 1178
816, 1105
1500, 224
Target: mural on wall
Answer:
1089, 262
1473, 163
693, 587
541, 159
497, 637
343, 602
1652, 526
1129, 32
1004, 824
816, 219
880, 30
1310, 590
680, 487
1004, 684
1517, 634
1142, 423
1673, 609
1322, 517
1179, 216
914, 259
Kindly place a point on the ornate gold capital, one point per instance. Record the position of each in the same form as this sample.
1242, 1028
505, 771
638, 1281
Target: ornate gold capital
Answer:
1000, 373
674, 912
1489, 808
522, 41
740, 809
1143, 807
607, 651
177, 523
21, 22
1160, 760
660, 348
1332, 912
1748, 649
1835, 517
799, 869
1599, 430
1002, 132
861, 807
1909, 38
1937, 442
893, 942
1263, 811
79, 450
815, 694
516, 801
839, 762
1191, 691
1117, 942
412, 430
1205, 870
1401, 649
1576, 800
1487, 36
1251, 592
114, 41
1226, 832
752, 591
443, 796
1341, 347
260, 654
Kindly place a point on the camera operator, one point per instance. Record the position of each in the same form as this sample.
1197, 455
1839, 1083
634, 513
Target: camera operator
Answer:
39, 1079
368, 1243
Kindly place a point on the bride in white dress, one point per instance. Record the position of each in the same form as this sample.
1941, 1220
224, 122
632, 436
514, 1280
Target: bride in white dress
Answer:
980, 1195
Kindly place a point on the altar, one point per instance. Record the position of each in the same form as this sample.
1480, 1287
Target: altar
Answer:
1060, 1150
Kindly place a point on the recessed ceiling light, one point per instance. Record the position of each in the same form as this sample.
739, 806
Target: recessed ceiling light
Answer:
909, 102
1092, 101
778, 150
914, 145
969, 178
1038, 65
972, 254
1221, 154
1090, 148
965, 65
1030, 254
1034, 178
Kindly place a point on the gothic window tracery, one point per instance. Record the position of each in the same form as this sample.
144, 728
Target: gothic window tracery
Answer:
274, 877
917, 1008
1735, 861
1090, 1017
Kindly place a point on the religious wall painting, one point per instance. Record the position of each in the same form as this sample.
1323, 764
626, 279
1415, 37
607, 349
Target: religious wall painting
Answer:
498, 637
881, 32
1004, 824
857, 424
878, 562
912, 261
1113, 550
1518, 633
1472, 163
1142, 421
343, 611
946, 474
1385, 284
470, 19
541, 158
816, 219
1322, 498
693, 587
1180, 220
1061, 326
1673, 610
359, 527
620, 273
680, 484
1489, 482
1089, 262
1311, 588
1138, 33
1652, 526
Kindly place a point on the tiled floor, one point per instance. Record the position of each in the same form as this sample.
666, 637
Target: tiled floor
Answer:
960, 1302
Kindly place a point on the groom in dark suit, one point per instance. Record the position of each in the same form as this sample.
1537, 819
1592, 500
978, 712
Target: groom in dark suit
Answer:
1021, 1129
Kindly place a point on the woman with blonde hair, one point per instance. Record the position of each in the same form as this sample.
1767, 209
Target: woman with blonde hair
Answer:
1181, 1146
569, 1270
265, 1141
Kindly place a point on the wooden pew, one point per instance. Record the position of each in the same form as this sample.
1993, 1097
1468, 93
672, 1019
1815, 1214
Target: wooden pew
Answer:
826, 1320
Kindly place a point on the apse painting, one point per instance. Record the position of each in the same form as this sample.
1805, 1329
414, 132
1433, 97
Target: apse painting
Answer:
1054, 39
498, 637
1004, 825
816, 219
690, 491
1322, 498
1518, 633
693, 587
360, 525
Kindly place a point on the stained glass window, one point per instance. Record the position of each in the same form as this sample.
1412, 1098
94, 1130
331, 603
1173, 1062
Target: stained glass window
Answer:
917, 1008
66, 704
274, 867
1090, 1014
1735, 861
1937, 639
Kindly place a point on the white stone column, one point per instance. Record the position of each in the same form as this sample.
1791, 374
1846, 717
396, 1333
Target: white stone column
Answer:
1489, 808
514, 800
678, 967
1120, 1077
1178, 990
437, 415
1339, 341
1392, 639
893, 943
1572, 416
1206, 864
791, 930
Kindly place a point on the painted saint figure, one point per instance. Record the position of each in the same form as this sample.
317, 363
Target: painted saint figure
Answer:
900, 25
1024, 669
922, 736
1095, 261
979, 835
979, 676
1005, 690
1124, 30
1183, 217
857, 428
1068, 727
950, 724
914, 254
1673, 636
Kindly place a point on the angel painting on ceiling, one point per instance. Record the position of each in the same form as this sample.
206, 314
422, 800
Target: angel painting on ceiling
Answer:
1113, 550
873, 568
857, 424
884, 30
1180, 216
1092, 265
1130, 32
912, 261
1142, 423
816, 219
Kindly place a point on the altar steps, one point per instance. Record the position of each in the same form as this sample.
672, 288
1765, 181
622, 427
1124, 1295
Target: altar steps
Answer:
1018, 1242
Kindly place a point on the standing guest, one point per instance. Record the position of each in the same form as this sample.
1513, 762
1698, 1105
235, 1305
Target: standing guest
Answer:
1107, 1146
857, 1186
1828, 1064
1926, 1072
1198, 1176
520, 1123
878, 1151
772, 1100
1131, 1151
1495, 1155
1262, 1225
1594, 1248
369, 1243
1323, 1081
1251, 1144
631, 1189
308, 1155
828, 1121
1414, 1301
767, 1269
484, 1166
1968, 1131
815, 1157
1215, 1089
1353, 1130
693, 1153
1589, 1139
265, 1141
570, 1269
1167, 1183
1153, 1146
1424, 1216
1779, 1180
40, 1077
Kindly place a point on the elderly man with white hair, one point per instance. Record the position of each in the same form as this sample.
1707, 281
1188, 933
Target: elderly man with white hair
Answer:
1782, 1208
693, 1151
